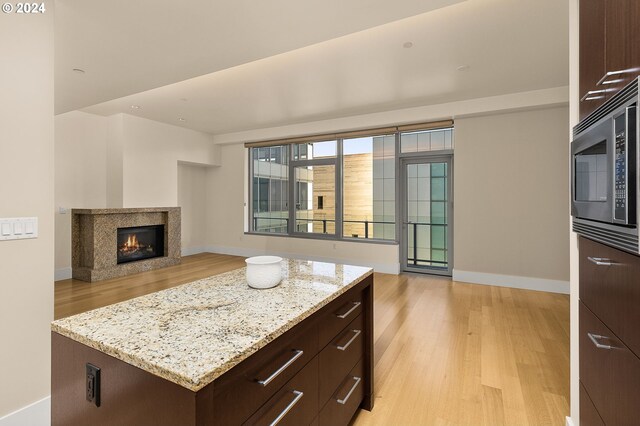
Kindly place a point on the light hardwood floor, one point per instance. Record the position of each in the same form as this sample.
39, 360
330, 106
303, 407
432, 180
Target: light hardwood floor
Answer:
446, 353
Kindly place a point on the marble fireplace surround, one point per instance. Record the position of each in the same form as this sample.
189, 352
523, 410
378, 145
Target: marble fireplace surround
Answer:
94, 241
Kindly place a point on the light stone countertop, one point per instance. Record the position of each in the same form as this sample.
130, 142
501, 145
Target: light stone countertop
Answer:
194, 333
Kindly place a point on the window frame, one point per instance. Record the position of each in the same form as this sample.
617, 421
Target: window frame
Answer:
338, 163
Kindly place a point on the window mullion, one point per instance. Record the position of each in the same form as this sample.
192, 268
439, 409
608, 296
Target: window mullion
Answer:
338, 194
292, 194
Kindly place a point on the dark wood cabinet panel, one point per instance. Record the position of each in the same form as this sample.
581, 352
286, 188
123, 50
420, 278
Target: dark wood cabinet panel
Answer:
238, 394
609, 43
339, 357
609, 371
592, 51
345, 400
296, 403
622, 41
157, 401
612, 292
337, 319
588, 414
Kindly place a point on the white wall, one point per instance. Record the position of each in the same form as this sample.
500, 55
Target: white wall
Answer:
511, 195
26, 185
192, 198
81, 172
150, 160
127, 161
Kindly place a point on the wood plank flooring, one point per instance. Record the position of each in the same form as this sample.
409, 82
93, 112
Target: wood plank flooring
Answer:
446, 353
449, 353
74, 296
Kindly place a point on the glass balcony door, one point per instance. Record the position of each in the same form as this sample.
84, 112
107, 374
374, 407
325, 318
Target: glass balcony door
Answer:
426, 244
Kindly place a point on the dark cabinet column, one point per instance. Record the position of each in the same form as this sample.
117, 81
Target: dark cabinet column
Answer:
622, 41
592, 52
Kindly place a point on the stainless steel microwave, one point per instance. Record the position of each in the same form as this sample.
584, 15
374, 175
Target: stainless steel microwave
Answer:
604, 172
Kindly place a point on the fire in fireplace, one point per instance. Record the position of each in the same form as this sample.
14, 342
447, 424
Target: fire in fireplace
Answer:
140, 242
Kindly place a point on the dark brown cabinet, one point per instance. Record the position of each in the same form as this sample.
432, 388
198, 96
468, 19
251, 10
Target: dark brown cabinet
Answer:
622, 49
608, 330
609, 49
319, 372
591, 51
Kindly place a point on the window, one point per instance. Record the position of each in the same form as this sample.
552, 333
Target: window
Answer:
369, 187
270, 186
342, 187
313, 182
426, 140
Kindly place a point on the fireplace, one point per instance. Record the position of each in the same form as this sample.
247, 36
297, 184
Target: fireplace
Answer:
140, 242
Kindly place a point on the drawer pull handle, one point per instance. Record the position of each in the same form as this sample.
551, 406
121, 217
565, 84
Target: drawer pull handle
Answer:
594, 338
346, 314
265, 382
592, 95
346, 345
612, 73
355, 385
288, 408
600, 261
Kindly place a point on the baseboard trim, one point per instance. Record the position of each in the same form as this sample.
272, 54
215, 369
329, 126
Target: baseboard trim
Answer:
62, 274
569, 422
35, 414
512, 281
386, 268
188, 251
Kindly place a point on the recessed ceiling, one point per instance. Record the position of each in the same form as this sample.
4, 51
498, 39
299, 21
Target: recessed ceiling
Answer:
471, 49
127, 46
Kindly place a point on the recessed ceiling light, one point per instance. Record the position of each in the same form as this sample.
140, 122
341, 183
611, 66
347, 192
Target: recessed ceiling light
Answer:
182, 119
463, 67
135, 106
78, 71
407, 45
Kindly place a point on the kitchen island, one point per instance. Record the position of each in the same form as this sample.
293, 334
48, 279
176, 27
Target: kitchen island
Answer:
216, 351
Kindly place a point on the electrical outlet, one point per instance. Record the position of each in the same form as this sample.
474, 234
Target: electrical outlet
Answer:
93, 384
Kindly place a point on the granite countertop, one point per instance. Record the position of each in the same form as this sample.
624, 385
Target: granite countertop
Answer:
194, 333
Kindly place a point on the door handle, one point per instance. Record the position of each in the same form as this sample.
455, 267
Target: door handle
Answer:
600, 261
344, 347
297, 354
594, 339
288, 408
353, 388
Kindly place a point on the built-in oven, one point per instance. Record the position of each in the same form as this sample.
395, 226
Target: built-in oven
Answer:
604, 178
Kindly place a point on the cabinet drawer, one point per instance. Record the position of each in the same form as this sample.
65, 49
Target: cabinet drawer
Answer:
339, 357
612, 292
337, 319
295, 404
609, 371
345, 400
588, 414
241, 391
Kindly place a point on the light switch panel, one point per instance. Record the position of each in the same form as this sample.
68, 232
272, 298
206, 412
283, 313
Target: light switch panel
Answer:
18, 228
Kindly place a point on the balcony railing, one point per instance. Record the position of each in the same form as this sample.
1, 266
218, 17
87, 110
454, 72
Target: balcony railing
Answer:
412, 254
324, 222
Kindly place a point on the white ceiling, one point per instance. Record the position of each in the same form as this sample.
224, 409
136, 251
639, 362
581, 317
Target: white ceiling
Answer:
127, 46
510, 46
